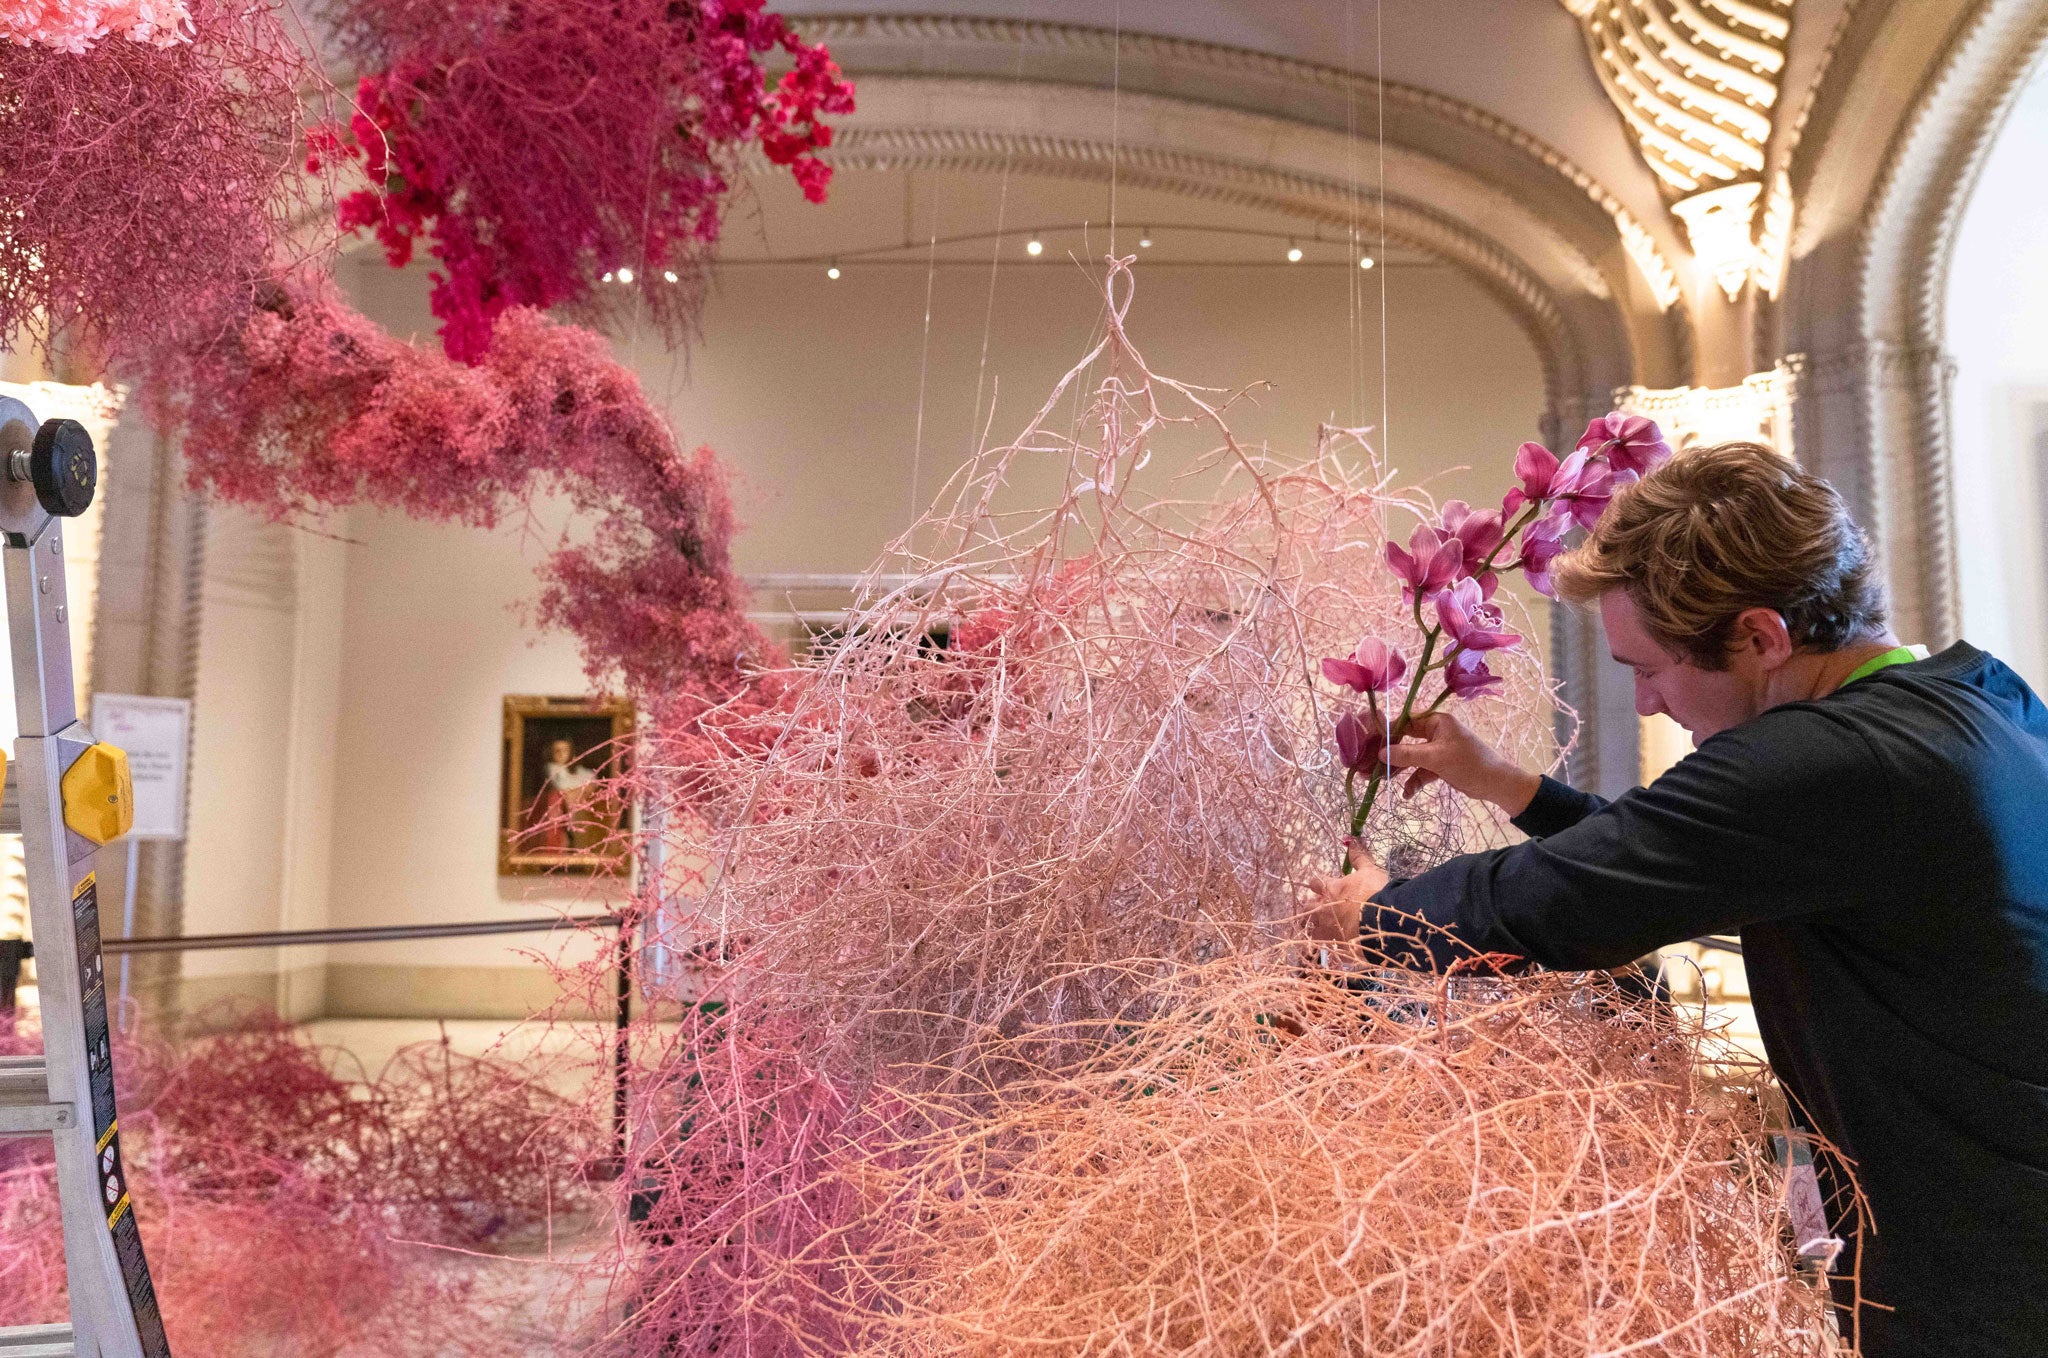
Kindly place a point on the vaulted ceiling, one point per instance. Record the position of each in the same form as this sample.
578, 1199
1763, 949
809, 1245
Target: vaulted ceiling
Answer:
1484, 122
1522, 60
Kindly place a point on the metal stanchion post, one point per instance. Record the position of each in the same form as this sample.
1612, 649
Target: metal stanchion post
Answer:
622, 1044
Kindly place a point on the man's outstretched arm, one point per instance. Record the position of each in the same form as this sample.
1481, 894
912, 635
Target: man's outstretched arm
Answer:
1785, 815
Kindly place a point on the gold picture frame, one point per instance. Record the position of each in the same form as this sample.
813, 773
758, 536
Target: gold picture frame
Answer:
557, 807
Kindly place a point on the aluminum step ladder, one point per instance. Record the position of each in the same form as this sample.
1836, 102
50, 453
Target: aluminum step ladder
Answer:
66, 794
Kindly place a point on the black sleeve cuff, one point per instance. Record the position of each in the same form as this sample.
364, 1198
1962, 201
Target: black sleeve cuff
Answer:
1555, 807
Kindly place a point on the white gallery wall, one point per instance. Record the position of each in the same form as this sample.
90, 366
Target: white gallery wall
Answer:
1998, 333
261, 790
810, 388
385, 673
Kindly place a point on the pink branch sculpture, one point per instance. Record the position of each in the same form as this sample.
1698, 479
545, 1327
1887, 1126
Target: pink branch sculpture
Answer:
313, 407
1013, 1048
289, 1207
1120, 751
1268, 1164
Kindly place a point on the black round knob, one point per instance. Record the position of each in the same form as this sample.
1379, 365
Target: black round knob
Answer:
64, 468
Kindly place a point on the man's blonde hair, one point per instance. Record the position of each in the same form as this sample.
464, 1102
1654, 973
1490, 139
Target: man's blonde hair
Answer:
1718, 530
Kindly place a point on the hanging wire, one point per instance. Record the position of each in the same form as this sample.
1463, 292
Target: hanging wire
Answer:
924, 361
1379, 81
1116, 87
1354, 288
995, 259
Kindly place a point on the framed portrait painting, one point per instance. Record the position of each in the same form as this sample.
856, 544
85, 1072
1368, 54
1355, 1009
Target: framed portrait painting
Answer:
561, 810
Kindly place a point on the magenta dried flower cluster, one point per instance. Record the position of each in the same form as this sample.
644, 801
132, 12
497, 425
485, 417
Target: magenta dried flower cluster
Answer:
293, 1203
573, 154
1454, 565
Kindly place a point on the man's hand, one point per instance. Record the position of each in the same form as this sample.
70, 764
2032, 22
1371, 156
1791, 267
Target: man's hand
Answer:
1337, 904
1439, 746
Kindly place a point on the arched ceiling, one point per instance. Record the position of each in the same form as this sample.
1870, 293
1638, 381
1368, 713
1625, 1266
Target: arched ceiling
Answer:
1523, 61
1504, 156
1597, 285
1561, 280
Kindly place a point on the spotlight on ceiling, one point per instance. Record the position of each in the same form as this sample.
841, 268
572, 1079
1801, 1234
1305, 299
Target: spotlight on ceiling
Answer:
625, 275
1145, 239
608, 277
1365, 262
1293, 253
832, 270
669, 275
1034, 247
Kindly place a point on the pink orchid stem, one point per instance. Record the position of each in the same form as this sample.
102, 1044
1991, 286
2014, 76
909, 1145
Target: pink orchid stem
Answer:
1362, 807
1522, 520
1395, 731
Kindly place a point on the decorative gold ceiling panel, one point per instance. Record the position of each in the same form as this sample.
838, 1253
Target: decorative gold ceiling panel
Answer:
1696, 81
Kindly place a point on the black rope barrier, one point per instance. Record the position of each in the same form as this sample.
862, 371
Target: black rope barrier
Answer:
13, 952
375, 933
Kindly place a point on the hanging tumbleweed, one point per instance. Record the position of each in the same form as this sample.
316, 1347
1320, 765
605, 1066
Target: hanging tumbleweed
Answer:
1009, 1046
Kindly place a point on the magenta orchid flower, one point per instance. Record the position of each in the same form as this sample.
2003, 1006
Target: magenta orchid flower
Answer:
1584, 485
1540, 550
1373, 667
1468, 677
1359, 743
1431, 562
1582, 481
1633, 444
1479, 531
1535, 467
1469, 621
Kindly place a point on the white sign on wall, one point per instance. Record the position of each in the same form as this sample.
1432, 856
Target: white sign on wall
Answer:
154, 733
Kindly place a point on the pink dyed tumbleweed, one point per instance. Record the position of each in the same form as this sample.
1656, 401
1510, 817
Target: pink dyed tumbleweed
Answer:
1012, 1048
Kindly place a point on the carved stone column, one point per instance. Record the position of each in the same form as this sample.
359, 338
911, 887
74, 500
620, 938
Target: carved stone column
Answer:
1931, 378
1874, 420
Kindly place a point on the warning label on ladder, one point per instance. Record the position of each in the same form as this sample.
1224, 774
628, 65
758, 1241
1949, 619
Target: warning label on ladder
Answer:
92, 989
99, 1056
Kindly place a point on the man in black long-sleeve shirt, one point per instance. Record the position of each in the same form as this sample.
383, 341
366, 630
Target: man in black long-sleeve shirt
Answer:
1876, 827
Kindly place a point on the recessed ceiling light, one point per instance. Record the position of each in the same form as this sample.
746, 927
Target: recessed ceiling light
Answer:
1034, 247
1293, 253
669, 274
1145, 241
625, 275
1365, 263
832, 270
